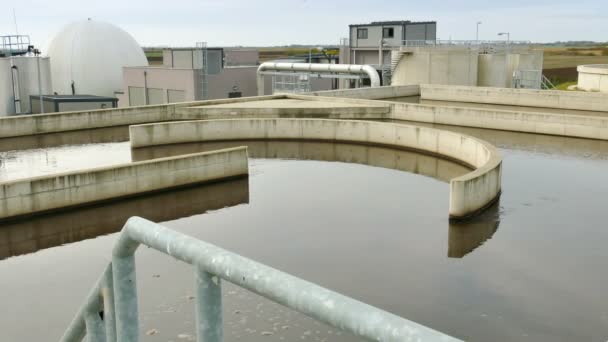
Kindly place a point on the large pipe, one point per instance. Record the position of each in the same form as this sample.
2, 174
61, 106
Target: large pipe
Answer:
318, 68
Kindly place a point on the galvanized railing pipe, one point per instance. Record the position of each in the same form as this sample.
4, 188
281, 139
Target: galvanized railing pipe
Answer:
212, 264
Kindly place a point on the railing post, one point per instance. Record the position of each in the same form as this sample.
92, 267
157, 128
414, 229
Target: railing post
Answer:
125, 298
109, 317
95, 328
209, 327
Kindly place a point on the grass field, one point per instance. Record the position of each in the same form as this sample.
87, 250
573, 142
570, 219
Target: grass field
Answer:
560, 63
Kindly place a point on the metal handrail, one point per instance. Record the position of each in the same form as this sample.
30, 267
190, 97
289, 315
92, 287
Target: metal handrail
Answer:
546, 83
458, 43
115, 293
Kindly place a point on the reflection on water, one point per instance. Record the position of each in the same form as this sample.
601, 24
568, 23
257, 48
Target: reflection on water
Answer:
466, 236
40, 232
88, 136
21, 164
402, 160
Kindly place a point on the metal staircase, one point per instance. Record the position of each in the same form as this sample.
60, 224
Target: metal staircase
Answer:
545, 83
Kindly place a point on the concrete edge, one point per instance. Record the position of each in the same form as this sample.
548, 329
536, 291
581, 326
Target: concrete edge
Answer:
52, 192
463, 199
120, 166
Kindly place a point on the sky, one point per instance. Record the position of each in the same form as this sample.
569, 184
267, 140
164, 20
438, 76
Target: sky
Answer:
280, 22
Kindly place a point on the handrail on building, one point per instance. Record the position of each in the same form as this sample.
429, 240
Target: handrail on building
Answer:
14, 44
115, 293
459, 43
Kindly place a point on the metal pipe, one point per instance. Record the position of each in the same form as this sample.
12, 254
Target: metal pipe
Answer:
318, 68
146, 87
315, 301
16, 87
39, 86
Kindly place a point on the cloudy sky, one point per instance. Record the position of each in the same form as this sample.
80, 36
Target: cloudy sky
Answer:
277, 22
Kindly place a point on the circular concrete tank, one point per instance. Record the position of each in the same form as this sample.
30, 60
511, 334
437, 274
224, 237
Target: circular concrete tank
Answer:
87, 58
593, 77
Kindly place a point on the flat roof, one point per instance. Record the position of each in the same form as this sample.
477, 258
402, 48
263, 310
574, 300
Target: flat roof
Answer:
394, 22
75, 98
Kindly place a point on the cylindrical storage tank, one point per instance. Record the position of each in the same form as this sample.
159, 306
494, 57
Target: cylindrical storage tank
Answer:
19, 79
87, 57
593, 77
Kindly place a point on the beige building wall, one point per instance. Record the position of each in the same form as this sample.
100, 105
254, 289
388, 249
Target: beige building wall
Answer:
169, 85
436, 66
163, 84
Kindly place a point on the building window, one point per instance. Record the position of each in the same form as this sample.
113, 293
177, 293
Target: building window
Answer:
388, 32
362, 33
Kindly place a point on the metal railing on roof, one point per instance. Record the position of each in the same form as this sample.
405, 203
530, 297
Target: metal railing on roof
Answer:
110, 312
14, 44
458, 43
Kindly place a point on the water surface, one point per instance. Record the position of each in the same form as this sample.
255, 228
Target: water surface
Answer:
531, 268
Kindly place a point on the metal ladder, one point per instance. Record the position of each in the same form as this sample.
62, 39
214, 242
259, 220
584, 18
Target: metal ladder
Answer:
203, 72
110, 312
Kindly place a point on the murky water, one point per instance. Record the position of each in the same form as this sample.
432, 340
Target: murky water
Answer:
531, 268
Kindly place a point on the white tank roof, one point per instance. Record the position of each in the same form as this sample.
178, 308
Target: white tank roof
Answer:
91, 54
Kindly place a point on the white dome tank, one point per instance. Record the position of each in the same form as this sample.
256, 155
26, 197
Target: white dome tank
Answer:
89, 56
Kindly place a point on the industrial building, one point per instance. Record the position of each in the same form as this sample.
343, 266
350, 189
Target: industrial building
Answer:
472, 63
79, 72
365, 39
190, 74
23, 72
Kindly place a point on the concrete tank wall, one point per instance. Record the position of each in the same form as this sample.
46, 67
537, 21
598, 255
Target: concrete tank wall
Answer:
28, 82
517, 97
469, 193
40, 194
517, 121
25, 125
496, 69
593, 77
436, 66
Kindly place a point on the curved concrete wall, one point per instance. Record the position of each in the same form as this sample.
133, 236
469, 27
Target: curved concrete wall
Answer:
593, 77
469, 193
378, 156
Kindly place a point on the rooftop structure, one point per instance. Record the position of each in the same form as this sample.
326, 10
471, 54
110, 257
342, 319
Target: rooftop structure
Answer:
67, 103
190, 74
